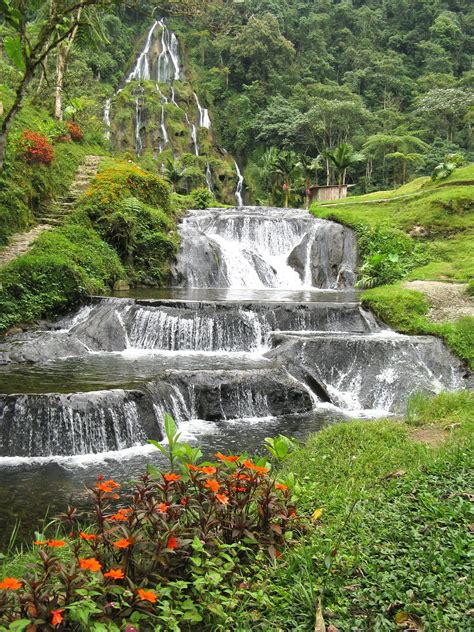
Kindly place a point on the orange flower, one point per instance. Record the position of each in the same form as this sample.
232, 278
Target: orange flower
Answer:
172, 542
163, 507
115, 573
240, 477
40, 542
281, 486
147, 595
169, 478
56, 543
90, 564
103, 487
207, 469
256, 468
123, 543
87, 536
240, 489
10, 583
121, 515
212, 484
222, 498
230, 459
112, 483
57, 617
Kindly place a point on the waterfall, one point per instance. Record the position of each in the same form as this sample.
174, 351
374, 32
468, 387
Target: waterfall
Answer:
209, 180
168, 61
204, 120
259, 248
240, 185
138, 127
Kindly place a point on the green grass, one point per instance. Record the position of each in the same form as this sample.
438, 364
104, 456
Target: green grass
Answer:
394, 534
444, 209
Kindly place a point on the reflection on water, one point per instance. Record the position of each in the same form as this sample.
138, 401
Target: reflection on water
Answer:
127, 370
29, 489
243, 294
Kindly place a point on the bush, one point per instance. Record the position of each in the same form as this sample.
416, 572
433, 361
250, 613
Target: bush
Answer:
387, 255
75, 131
64, 266
161, 554
202, 198
35, 148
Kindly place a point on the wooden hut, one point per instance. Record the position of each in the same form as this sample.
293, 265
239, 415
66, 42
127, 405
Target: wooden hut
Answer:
327, 193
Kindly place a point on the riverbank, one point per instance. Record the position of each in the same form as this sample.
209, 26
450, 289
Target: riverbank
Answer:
387, 546
422, 231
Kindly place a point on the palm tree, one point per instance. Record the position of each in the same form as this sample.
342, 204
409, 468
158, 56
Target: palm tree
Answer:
310, 166
404, 147
343, 157
286, 171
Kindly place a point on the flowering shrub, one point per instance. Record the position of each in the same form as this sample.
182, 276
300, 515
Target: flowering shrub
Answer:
35, 148
139, 554
75, 131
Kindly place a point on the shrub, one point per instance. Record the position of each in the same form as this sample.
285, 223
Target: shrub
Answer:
75, 131
63, 267
35, 148
155, 555
202, 198
387, 255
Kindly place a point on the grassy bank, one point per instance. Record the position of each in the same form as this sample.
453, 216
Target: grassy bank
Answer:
392, 543
423, 230
123, 228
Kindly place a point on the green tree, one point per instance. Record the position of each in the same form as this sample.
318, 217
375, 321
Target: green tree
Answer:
343, 158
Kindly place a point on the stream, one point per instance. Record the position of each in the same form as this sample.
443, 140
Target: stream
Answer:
261, 333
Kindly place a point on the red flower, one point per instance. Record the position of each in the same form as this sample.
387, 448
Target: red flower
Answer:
35, 148
10, 583
163, 507
171, 477
75, 131
115, 573
183, 502
90, 564
124, 543
56, 543
147, 595
87, 536
222, 498
212, 484
57, 617
171, 543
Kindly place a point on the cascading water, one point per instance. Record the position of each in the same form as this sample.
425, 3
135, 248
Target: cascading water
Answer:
204, 120
240, 185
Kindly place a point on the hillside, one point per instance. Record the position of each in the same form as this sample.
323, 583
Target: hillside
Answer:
424, 231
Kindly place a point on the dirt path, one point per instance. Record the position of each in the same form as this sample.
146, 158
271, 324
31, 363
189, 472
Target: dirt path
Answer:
448, 301
21, 242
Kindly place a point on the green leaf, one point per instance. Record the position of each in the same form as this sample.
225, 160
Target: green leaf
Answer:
18, 626
14, 51
153, 471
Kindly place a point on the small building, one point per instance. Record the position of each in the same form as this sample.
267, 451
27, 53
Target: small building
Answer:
327, 193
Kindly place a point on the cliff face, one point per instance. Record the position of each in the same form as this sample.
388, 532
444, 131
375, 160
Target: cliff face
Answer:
157, 117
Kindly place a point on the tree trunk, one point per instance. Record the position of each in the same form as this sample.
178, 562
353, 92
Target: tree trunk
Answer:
60, 69
63, 54
12, 112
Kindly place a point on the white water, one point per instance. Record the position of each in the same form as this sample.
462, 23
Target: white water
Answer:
204, 120
240, 185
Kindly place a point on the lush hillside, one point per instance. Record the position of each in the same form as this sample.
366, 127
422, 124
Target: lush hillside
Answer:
423, 230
